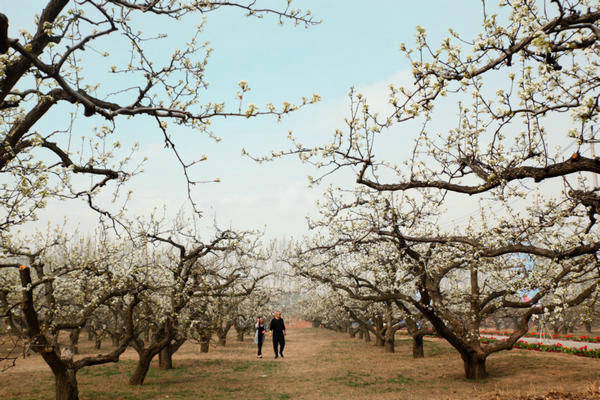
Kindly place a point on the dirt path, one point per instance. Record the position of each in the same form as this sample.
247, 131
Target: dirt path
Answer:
303, 364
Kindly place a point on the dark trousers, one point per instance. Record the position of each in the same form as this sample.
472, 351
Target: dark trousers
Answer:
278, 340
260, 343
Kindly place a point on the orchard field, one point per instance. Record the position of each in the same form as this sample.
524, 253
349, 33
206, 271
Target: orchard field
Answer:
173, 173
321, 364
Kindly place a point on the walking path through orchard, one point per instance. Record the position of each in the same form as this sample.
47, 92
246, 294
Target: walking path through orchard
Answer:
318, 364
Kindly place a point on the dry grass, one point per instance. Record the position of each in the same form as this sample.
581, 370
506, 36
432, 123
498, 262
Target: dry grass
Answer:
320, 364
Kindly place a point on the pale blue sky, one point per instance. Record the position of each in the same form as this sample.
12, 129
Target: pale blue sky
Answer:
356, 44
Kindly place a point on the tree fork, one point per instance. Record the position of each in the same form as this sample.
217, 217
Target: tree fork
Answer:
165, 356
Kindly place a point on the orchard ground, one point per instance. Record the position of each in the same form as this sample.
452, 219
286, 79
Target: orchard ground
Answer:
320, 364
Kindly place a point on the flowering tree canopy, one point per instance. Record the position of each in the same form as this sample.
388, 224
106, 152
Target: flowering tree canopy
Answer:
389, 248
61, 284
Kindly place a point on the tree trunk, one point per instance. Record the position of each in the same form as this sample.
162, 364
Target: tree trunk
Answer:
204, 347
474, 366
352, 332
165, 358
367, 335
222, 331
240, 335
379, 341
205, 341
66, 385
91, 334
98, 343
361, 333
389, 339
141, 369
74, 339
418, 350
588, 327
316, 324
389, 345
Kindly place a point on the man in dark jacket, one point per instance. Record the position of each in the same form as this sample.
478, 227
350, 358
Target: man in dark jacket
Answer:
277, 328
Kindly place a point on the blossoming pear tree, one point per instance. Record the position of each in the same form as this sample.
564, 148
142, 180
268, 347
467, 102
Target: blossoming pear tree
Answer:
173, 279
364, 273
377, 247
324, 307
216, 272
54, 283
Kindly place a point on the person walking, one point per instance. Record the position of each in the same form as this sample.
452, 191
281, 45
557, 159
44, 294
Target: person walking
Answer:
259, 335
277, 328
